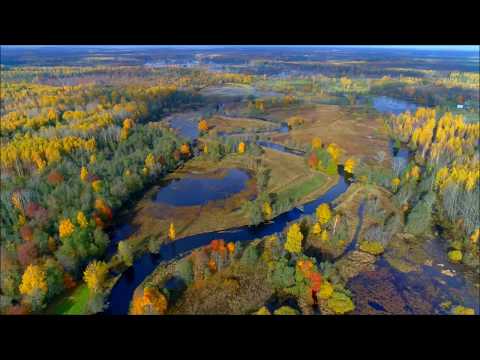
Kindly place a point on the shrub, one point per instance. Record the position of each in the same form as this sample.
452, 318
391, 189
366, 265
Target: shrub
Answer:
285, 310
455, 256
461, 310
262, 311
372, 247
326, 290
340, 303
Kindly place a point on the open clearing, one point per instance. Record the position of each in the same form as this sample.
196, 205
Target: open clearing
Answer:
359, 136
231, 124
73, 303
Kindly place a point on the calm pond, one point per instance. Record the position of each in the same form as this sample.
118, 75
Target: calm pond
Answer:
388, 105
199, 190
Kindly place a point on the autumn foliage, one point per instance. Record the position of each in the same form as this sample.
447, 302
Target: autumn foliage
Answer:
241, 147
203, 125
33, 281
151, 302
294, 239
65, 228
95, 275
171, 232
323, 213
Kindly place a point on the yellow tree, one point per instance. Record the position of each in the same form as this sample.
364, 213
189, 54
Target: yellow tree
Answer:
316, 143
471, 181
33, 281
152, 302
334, 151
17, 201
127, 123
97, 185
317, 229
323, 214
345, 82
267, 210
82, 220
65, 228
241, 147
475, 236
203, 125
395, 183
95, 274
83, 173
350, 165
294, 239
150, 161
415, 172
171, 232
185, 149
260, 104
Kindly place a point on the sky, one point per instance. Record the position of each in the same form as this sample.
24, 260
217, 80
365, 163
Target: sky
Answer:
469, 48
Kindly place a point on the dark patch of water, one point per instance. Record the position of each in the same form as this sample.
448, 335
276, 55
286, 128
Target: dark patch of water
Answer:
118, 234
281, 148
190, 191
376, 306
388, 105
185, 125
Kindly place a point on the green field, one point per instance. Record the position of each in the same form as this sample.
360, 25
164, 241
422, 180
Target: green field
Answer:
72, 304
303, 189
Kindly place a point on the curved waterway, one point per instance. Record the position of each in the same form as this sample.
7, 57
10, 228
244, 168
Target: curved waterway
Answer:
122, 292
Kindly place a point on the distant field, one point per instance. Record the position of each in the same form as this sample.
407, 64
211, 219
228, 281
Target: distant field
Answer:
358, 135
236, 90
226, 124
